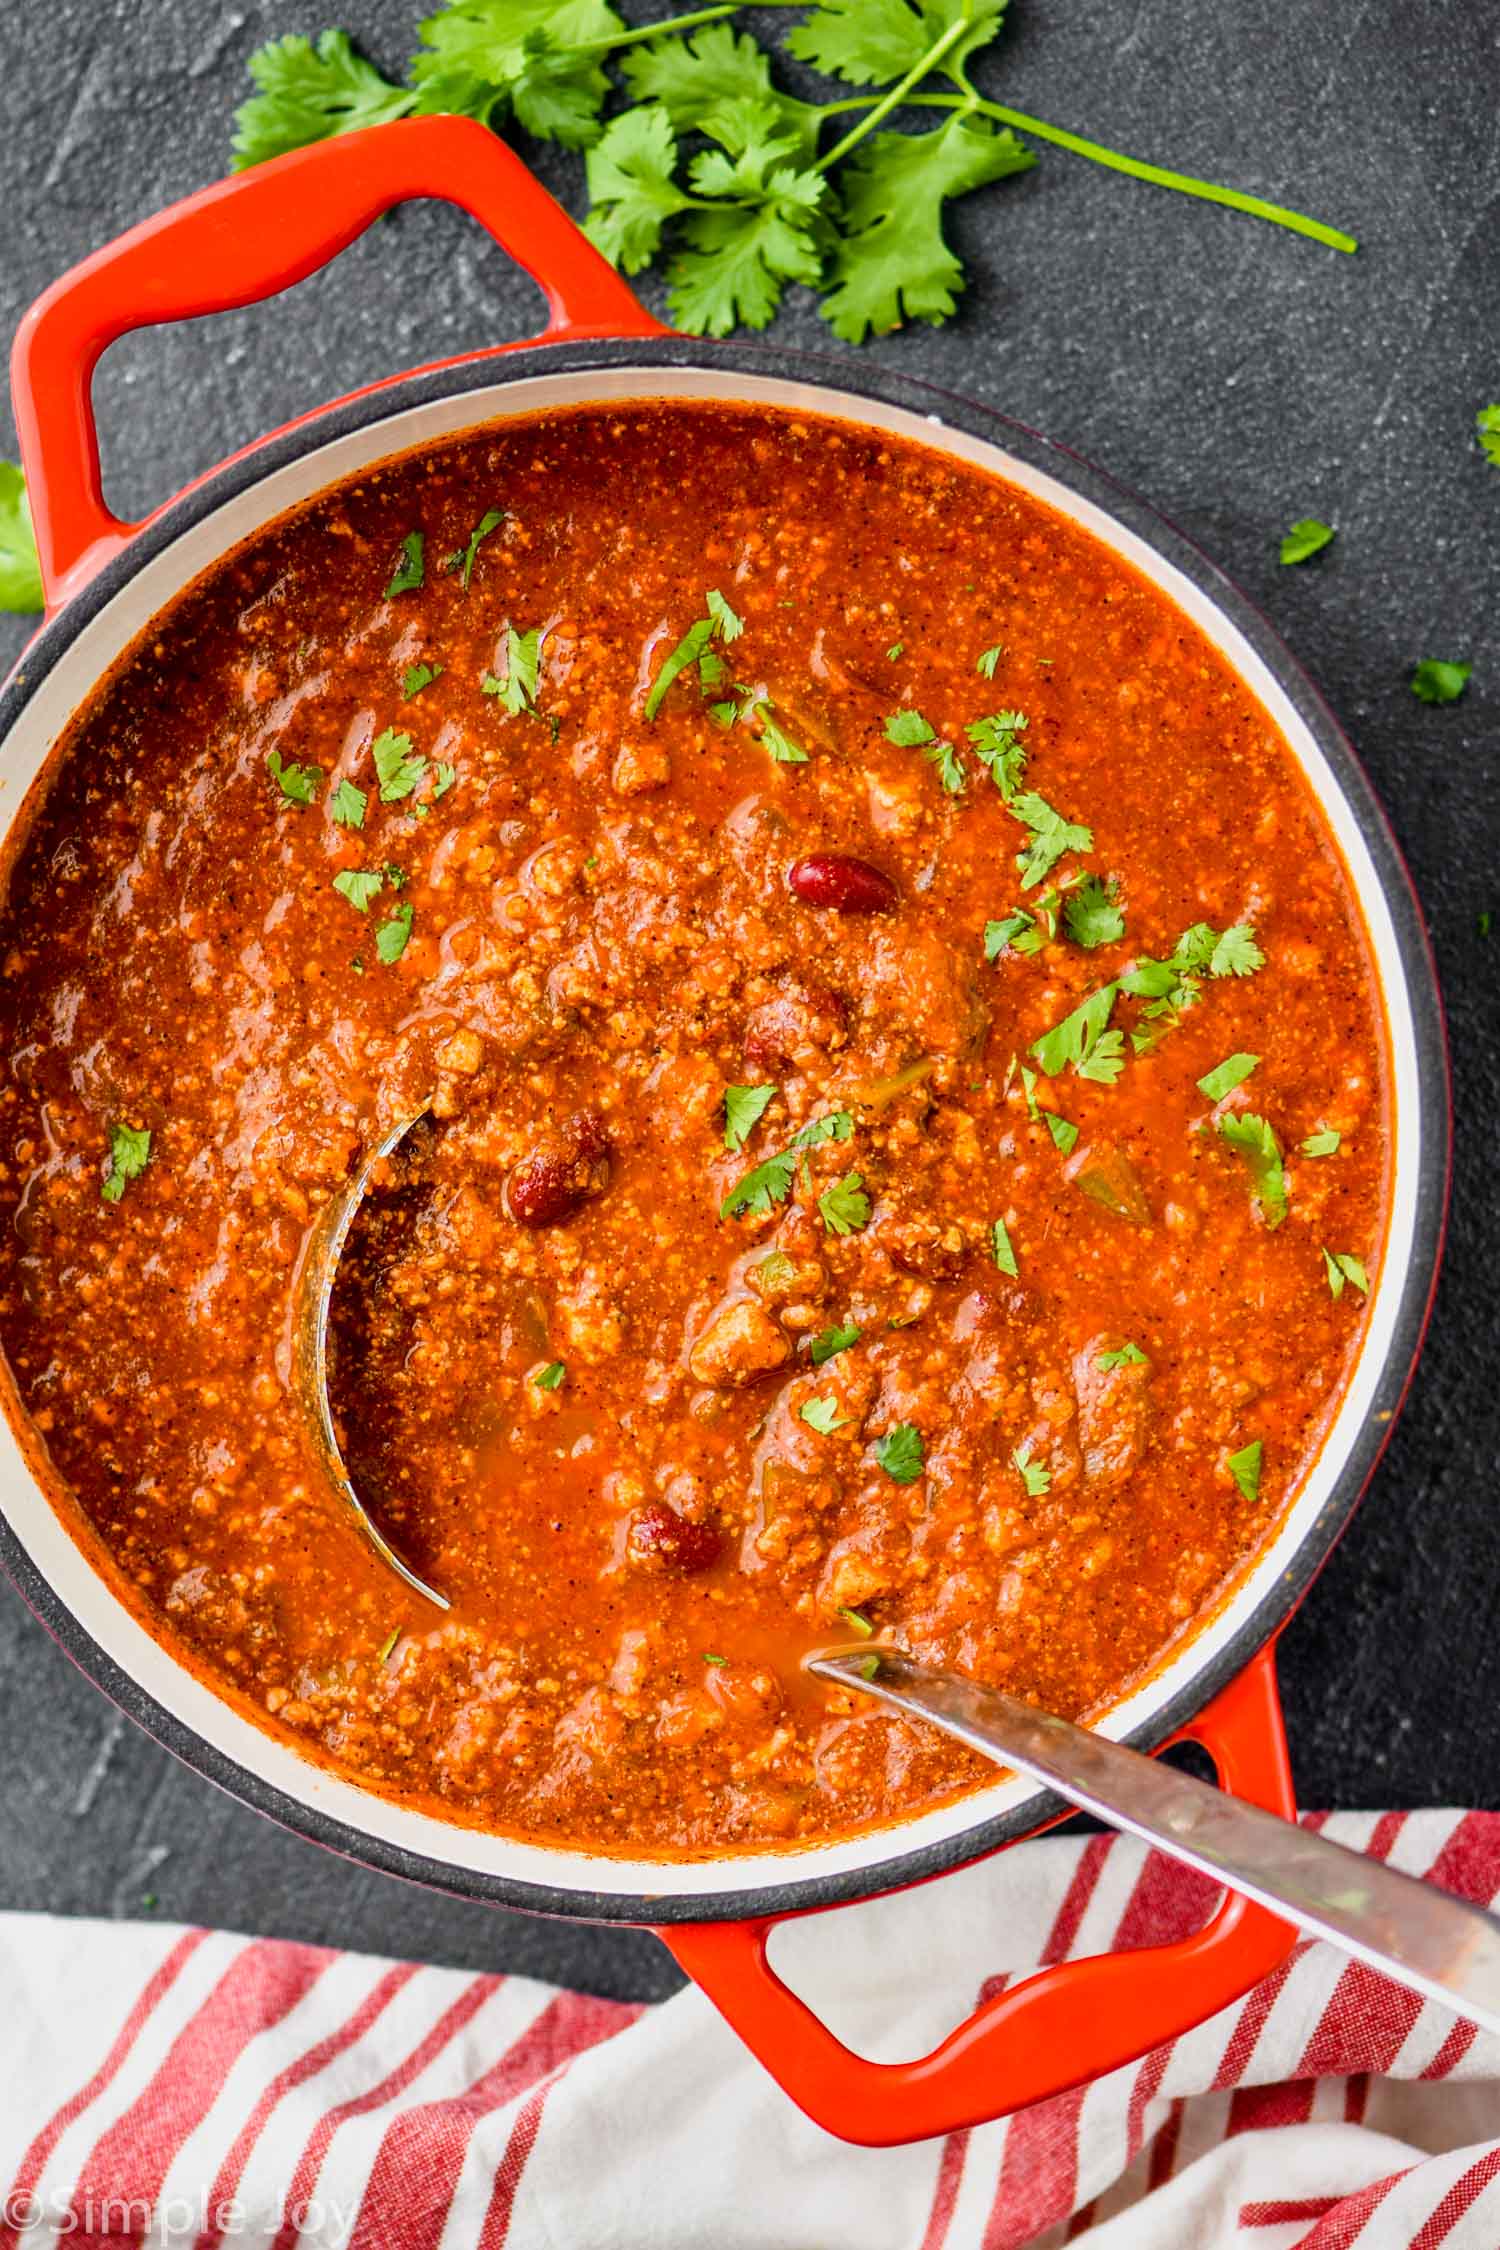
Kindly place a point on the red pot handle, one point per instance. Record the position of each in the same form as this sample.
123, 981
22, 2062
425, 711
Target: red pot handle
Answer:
245, 238
1060, 2027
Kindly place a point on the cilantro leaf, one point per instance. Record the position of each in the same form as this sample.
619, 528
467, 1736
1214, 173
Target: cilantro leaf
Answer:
444, 777
1090, 914
891, 262
298, 784
947, 764
845, 1207
540, 59
347, 804
310, 93
1435, 681
1082, 1041
359, 885
1307, 538
1001, 1246
397, 769
757, 224
1253, 1139
1323, 1143
719, 622
516, 686
20, 570
1128, 1355
829, 1342
1064, 1134
744, 1106
907, 728
998, 751
632, 191
1225, 1076
784, 751
411, 570
391, 937
728, 626
550, 1377
1487, 423
1000, 937
462, 558
1036, 1475
900, 1453
867, 42
129, 1154
1052, 837
1245, 1468
1236, 953
1340, 1266
693, 76
822, 1415
988, 659
416, 677
771, 1182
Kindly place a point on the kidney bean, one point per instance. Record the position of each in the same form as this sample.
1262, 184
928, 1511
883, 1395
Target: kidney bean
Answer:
664, 1540
843, 884
565, 1170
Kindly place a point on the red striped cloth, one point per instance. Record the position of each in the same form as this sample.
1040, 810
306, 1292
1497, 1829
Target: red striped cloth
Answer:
170, 2087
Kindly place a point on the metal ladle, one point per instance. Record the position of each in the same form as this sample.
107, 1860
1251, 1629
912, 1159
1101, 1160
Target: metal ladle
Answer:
1422, 1937
311, 1304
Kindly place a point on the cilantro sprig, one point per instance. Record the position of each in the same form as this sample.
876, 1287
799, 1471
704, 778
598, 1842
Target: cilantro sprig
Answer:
771, 1182
129, 1154
20, 569
695, 157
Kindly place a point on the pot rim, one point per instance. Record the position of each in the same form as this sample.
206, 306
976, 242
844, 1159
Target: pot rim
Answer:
893, 1865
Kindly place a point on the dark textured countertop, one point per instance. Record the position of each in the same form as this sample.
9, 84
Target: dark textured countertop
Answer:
1236, 376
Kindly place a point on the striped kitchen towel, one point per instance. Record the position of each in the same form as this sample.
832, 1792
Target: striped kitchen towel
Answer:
171, 2087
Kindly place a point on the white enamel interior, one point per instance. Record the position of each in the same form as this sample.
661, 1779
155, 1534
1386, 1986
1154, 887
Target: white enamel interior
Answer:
86, 1594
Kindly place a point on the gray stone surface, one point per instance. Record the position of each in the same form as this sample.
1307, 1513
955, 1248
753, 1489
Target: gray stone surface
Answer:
1238, 377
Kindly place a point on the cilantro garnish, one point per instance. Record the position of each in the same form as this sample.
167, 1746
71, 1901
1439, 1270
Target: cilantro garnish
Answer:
1003, 936
1082, 1041
20, 570
744, 1106
845, 1207
391, 937
784, 751
1309, 537
1236, 953
416, 677
719, 623
1254, 1140
359, 885
1487, 423
1170, 986
1128, 1355
1064, 1135
900, 1453
1245, 1467
1435, 681
516, 687
347, 804
1090, 914
998, 751
386, 1649
1340, 1267
710, 1658
771, 1182
1323, 1143
397, 769
1036, 1475
986, 661
1001, 1247
829, 1342
298, 784
443, 778
550, 1377
822, 1415
910, 731
897, 648
857, 1623
1225, 1076
907, 728
410, 570
129, 1154
1051, 837
462, 558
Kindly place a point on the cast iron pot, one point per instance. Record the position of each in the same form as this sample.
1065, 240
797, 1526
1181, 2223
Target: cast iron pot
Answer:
105, 580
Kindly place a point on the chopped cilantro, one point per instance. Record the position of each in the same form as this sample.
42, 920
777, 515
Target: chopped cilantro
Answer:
1309, 537
1001, 937
897, 648
1036, 1475
1245, 1467
358, 886
397, 769
907, 729
988, 658
900, 1453
998, 751
1090, 914
1082, 1041
784, 751
1236, 953
1487, 423
822, 1415
710, 1658
1435, 681
129, 1154
1340, 1267
1000, 1245
829, 1342
744, 1107
516, 687
1253, 1139
391, 937
418, 676
1064, 1135
1225, 1076
857, 1623
462, 558
444, 777
1128, 1355
845, 1207
387, 1646
409, 571
1324, 1143
771, 1182
347, 804
550, 1377
298, 784
1051, 835
720, 623
948, 766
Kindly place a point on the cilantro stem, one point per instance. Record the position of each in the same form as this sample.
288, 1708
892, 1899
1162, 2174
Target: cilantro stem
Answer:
898, 93
688, 22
